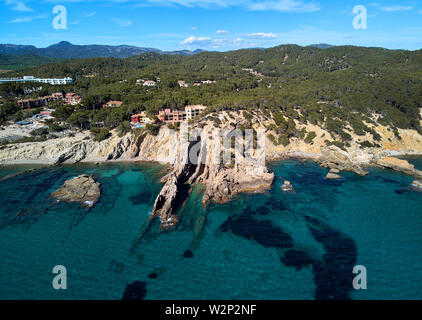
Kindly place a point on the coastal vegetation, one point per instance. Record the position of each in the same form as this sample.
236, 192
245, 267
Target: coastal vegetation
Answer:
341, 89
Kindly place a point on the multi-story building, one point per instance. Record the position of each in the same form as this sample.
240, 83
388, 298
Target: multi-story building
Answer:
39, 102
171, 116
52, 81
194, 111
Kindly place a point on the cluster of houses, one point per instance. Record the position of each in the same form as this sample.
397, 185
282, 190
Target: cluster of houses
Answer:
68, 98
72, 99
184, 84
140, 120
37, 121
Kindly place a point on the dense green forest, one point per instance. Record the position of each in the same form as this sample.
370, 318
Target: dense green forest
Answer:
333, 87
8, 62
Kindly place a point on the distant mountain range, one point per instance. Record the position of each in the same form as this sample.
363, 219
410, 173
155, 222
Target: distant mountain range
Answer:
67, 50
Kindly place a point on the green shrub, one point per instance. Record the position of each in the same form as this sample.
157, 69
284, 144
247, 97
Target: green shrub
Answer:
153, 129
310, 137
100, 134
123, 128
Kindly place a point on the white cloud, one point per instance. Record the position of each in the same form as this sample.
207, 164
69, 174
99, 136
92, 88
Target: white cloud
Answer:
18, 5
222, 32
393, 8
396, 8
194, 28
29, 19
122, 22
253, 5
261, 35
285, 6
192, 40
259, 5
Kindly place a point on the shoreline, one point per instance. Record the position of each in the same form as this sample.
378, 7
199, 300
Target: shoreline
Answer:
299, 155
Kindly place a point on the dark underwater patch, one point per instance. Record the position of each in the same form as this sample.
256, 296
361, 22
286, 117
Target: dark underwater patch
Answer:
386, 180
141, 198
333, 274
188, 254
153, 276
276, 205
401, 191
262, 232
333, 183
297, 259
248, 211
263, 211
28, 196
135, 291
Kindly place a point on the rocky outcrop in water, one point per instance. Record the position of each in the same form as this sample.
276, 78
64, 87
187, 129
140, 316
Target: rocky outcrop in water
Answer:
197, 164
228, 183
83, 189
417, 184
222, 181
399, 165
334, 158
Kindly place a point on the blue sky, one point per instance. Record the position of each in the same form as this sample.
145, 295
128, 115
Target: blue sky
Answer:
213, 24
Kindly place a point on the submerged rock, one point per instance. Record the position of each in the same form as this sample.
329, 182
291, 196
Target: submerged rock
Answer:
297, 259
82, 189
135, 291
188, 254
261, 231
153, 276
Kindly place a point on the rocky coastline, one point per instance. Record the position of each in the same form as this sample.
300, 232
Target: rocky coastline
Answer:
222, 182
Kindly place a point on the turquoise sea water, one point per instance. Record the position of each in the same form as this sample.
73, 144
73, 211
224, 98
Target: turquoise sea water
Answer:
263, 246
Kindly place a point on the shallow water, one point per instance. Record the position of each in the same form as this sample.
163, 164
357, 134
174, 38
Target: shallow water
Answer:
263, 246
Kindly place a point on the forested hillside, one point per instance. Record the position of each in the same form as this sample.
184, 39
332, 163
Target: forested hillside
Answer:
333, 87
8, 62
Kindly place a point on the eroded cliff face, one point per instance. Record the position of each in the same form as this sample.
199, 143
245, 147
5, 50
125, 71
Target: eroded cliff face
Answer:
199, 160
79, 148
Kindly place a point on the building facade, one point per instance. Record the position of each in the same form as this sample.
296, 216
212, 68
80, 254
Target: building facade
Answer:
39, 102
52, 81
72, 99
172, 116
194, 111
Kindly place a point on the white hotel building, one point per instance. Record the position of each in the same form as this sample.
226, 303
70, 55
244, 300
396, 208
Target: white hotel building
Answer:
52, 81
